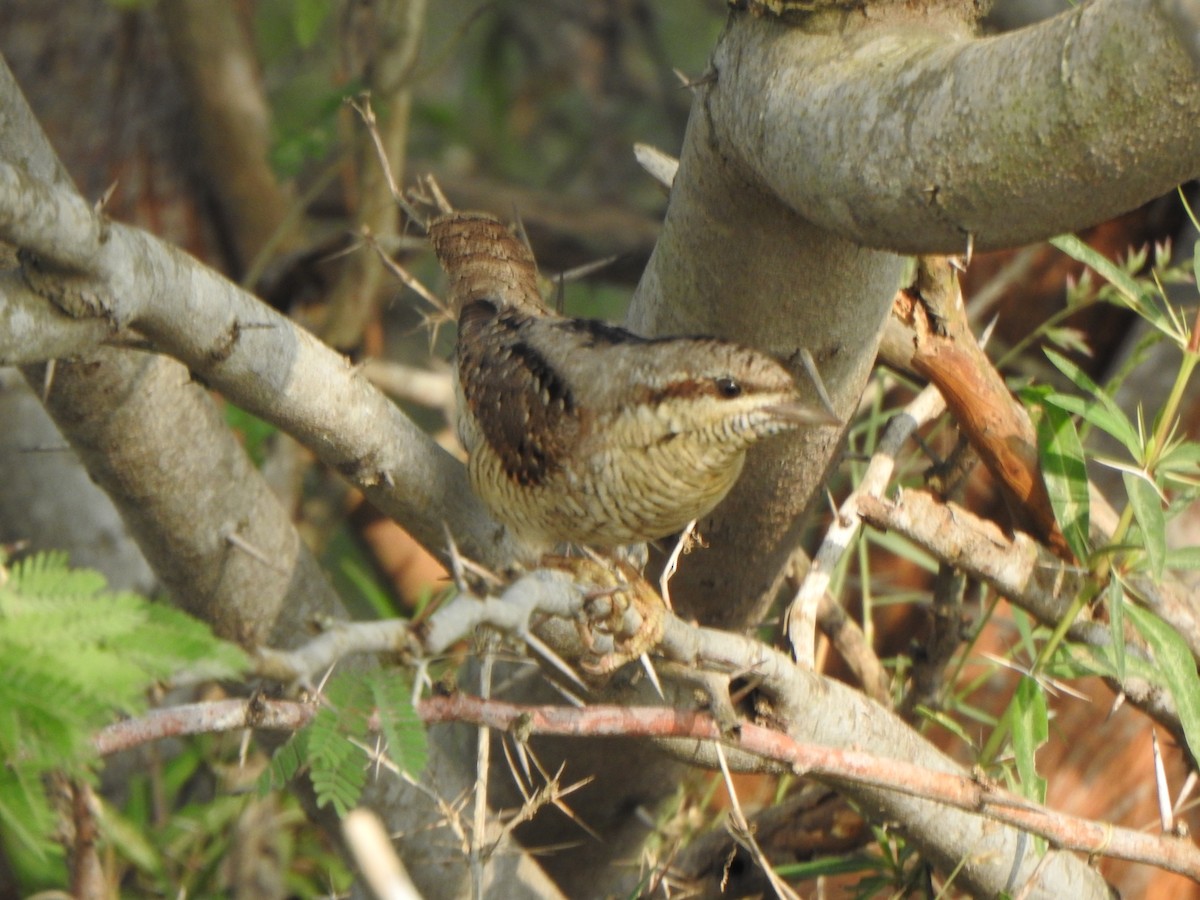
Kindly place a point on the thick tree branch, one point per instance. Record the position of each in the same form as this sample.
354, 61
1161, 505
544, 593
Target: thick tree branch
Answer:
909, 138
810, 708
257, 358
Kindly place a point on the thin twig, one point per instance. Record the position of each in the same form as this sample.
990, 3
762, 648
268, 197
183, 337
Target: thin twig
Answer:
801, 616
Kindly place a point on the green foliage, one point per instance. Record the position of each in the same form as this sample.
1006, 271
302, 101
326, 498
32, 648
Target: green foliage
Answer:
254, 432
356, 578
1175, 667
74, 656
175, 837
1065, 474
1159, 476
336, 749
308, 18
1031, 729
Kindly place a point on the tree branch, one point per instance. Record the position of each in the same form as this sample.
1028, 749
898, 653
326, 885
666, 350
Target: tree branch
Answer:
810, 708
256, 357
1003, 139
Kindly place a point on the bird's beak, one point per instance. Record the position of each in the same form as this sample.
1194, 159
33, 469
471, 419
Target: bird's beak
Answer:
804, 414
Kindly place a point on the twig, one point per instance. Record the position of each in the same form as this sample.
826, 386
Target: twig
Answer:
482, 767
801, 616
381, 867
744, 834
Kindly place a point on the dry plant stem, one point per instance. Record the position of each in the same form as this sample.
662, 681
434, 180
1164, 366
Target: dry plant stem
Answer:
928, 684
148, 435
764, 242
338, 640
811, 822
802, 612
740, 828
392, 34
372, 849
411, 384
851, 644
483, 745
203, 718
154, 440
88, 880
283, 371
48, 499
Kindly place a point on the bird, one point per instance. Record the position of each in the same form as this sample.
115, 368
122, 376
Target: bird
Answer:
583, 432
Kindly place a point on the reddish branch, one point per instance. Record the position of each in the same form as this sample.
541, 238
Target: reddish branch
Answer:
944, 350
973, 794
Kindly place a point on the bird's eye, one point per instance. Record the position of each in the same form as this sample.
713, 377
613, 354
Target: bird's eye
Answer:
727, 387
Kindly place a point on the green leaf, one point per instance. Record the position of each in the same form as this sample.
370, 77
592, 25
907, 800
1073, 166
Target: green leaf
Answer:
1183, 456
828, 866
1065, 475
1148, 510
1176, 667
1030, 730
26, 820
402, 727
337, 766
1124, 283
903, 548
947, 722
1183, 558
286, 762
1098, 408
1116, 621
73, 656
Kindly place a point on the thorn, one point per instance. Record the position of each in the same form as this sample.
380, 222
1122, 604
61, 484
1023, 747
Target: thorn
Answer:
1165, 816
230, 536
687, 82
660, 166
833, 507
664, 581
653, 675
1189, 785
580, 272
48, 380
457, 569
810, 368
105, 197
554, 659
519, 225
987, 331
